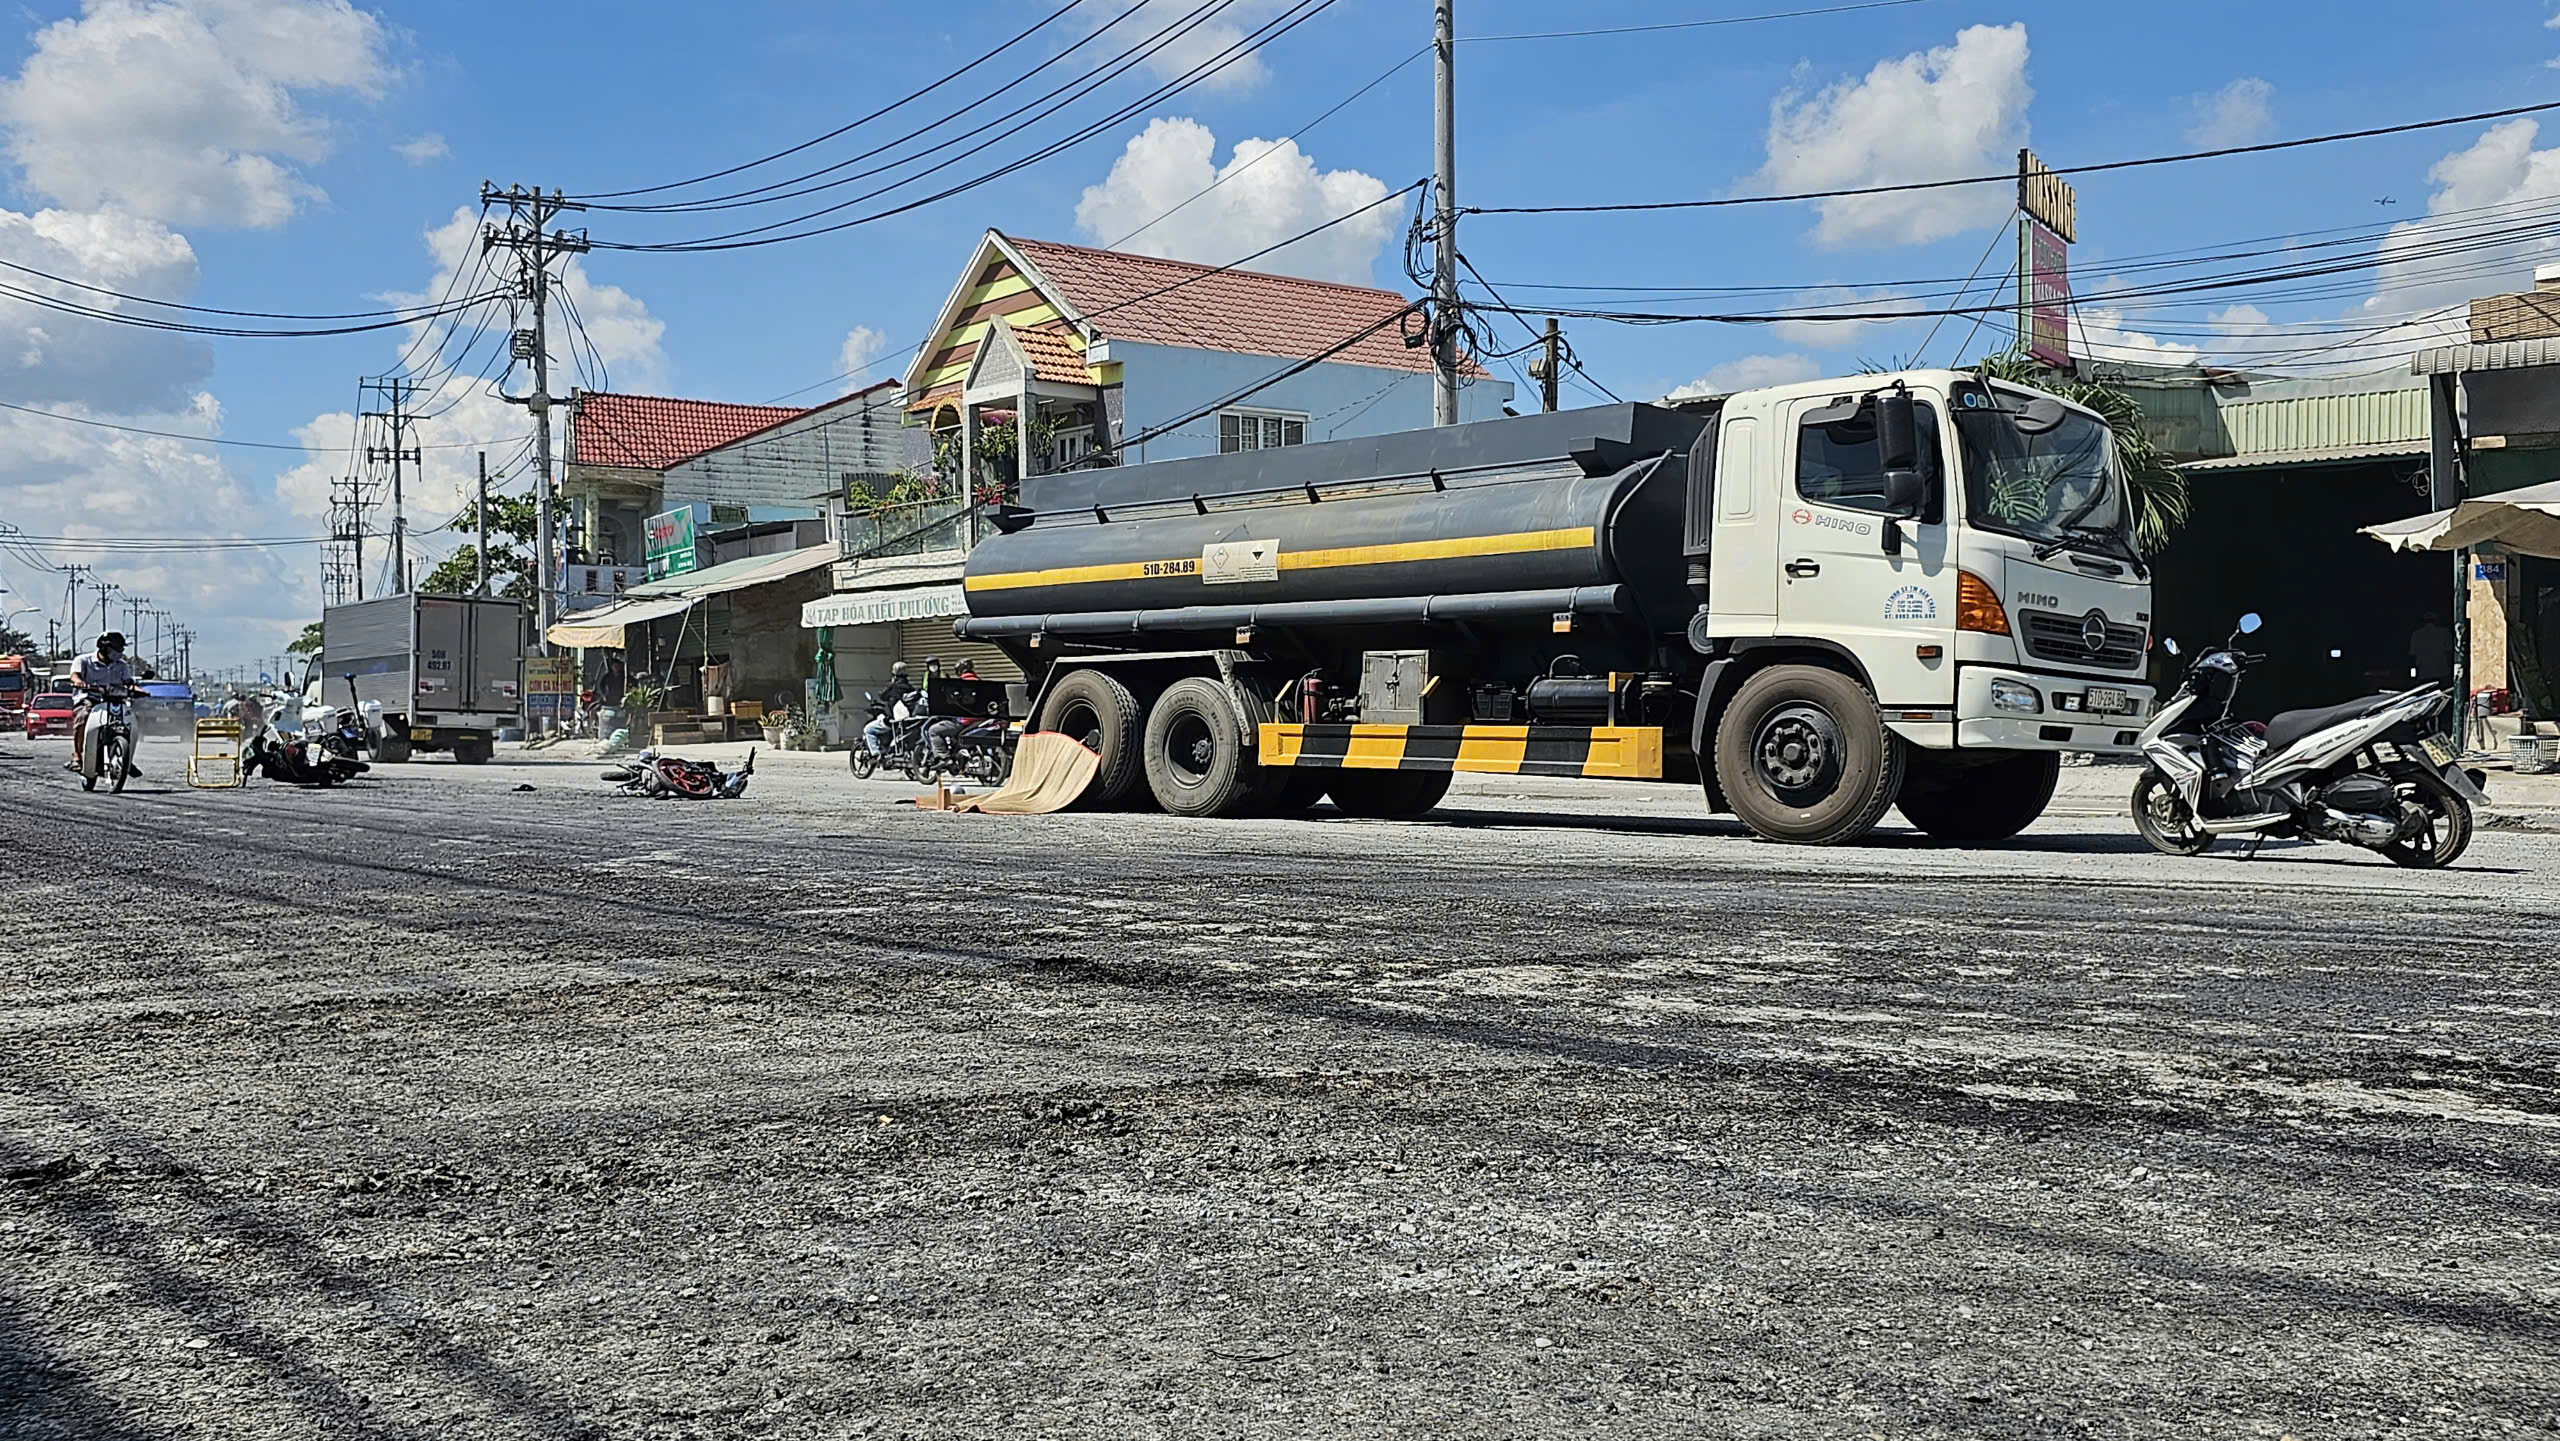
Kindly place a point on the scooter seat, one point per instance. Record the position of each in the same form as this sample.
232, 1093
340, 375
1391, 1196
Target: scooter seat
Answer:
2290, 726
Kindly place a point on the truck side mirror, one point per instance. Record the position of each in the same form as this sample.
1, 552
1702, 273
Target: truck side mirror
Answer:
1897, 431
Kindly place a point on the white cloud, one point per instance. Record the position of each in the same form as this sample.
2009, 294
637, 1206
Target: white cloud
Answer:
48, 357
1750, 372
2501, 168
2240, 113
1959, 109
1199, 40
185, 111
861, 345
1271, 191
424, 150
1824, 334
2099, 333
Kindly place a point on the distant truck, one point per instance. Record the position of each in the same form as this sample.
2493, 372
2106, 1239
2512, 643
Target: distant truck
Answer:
1816, 601
21, 677
447, 671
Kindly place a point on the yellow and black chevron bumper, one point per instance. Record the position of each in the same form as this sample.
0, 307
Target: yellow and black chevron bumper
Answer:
1624, 752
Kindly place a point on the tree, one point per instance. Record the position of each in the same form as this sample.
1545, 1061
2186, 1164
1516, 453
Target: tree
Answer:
2157, 490
511, 549
307, 643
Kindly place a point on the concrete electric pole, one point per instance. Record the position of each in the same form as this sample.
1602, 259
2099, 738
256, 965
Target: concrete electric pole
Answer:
482, 586
528, 232
395, 391
1444, 170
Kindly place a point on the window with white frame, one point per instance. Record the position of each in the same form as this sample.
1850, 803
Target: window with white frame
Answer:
1259, 430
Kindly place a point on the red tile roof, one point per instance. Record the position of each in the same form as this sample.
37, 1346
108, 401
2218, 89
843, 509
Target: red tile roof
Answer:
652, 432
1236, 310
1052, 359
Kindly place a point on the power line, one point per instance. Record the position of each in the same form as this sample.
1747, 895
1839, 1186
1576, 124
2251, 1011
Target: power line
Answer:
2010, 177
406, 313
235, 332
1300, 12
1043, 23
215, 440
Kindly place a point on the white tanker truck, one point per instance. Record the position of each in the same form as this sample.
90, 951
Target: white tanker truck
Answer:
1815, 601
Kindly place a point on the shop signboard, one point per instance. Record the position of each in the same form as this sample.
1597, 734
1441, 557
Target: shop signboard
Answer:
2044, 293
671, 540
550, 688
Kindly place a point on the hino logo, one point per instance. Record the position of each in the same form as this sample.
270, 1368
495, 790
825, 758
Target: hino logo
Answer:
2045, 602
2093, 631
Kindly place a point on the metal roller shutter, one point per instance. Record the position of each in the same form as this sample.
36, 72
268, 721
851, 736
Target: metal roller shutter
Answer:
922, 640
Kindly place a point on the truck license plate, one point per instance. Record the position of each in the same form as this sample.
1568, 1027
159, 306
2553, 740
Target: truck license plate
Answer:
422, 735
2107, 700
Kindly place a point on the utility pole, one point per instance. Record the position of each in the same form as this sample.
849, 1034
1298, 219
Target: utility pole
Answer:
396, 391
137, 602
482, 587
1545, 367
528, 232
105, 592
71, 606
1444, 170
344, 577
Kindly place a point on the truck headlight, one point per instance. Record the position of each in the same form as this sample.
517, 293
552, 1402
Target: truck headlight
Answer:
2016, 696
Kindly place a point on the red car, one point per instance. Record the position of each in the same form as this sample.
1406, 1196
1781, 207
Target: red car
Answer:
50, 715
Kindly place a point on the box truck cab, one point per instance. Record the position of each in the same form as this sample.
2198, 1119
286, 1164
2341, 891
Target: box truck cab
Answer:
1818, 601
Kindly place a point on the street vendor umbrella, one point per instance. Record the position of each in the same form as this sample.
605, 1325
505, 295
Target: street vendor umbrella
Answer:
2525, 521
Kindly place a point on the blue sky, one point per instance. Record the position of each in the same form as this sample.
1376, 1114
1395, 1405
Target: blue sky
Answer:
249, 154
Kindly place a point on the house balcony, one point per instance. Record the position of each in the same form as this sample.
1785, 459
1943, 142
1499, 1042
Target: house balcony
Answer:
930, 527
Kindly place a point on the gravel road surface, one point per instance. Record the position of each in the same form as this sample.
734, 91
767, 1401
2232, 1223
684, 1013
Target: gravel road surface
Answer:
436, 1107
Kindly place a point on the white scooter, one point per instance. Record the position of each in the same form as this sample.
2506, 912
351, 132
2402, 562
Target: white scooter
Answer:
107, 739
2378, 772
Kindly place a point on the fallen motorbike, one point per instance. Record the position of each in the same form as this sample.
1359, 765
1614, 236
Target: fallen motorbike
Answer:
661, 778
325, 757
2379, 772
106, 745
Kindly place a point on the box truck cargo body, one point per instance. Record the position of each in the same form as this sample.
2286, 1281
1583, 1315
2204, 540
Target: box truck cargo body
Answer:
447, 671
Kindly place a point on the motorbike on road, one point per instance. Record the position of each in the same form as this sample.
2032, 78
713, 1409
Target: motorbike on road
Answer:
325, 755
662, 778
905, 750
2381, 772
106, 746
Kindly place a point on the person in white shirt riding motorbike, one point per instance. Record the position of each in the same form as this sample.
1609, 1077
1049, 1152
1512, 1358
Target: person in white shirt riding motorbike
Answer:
104, 669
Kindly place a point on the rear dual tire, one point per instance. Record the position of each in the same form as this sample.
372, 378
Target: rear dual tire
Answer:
1979, 804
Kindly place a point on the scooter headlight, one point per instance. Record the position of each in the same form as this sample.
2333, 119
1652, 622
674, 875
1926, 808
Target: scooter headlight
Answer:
2010, 695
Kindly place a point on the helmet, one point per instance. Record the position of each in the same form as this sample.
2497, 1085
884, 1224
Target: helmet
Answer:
897, 667
112, 640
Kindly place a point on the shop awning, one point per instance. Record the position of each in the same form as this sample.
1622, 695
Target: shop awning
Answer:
602, 629
2525, 521
885, 607
731, 575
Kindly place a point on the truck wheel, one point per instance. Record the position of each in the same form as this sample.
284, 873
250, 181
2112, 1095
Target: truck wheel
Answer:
1095, 708
473, 752
1803, 756
1386, 795
1198, 762
391, 751
1980, 804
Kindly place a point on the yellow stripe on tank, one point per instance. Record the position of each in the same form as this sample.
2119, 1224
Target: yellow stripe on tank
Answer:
1456, 547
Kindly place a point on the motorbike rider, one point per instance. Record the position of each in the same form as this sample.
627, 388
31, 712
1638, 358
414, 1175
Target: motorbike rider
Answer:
876, 734
103, 669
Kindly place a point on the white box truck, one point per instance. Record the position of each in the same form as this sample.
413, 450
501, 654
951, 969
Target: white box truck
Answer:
447, 671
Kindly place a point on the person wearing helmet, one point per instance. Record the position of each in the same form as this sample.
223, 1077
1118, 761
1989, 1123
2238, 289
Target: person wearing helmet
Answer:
876, 734
105, 668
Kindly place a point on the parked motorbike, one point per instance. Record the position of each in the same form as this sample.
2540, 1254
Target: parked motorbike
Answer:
2380, 772
106, 746
969, 749
661, 778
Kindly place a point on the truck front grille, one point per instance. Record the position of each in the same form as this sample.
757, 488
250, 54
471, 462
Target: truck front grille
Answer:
2049, 635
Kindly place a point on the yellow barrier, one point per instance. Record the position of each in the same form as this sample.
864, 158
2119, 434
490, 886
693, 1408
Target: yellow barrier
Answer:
219, 767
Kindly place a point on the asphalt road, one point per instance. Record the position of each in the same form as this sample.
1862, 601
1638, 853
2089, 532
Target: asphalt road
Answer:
438, 1108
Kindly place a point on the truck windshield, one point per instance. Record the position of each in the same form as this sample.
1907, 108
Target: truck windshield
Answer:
2056, 486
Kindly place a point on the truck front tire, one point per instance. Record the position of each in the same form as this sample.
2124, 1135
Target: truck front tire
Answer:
1981, 803
1096, 709
1802, 756
1199, 760
1386, 795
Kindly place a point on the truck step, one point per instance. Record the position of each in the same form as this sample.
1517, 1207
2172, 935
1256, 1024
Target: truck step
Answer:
1624, 752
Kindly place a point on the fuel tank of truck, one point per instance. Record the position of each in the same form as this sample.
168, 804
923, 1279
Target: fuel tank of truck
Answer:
1531, 504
